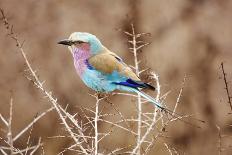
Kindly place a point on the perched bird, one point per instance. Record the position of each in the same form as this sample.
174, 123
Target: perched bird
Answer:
102, 70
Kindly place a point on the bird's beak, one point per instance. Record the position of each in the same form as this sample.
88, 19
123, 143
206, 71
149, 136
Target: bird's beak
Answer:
66, 42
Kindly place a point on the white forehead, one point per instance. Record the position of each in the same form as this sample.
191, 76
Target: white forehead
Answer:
82, 36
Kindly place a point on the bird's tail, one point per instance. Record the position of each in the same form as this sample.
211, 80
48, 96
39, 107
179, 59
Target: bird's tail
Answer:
170, 112
157, 103
149, 98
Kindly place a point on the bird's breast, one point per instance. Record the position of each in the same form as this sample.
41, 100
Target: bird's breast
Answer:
80, 66
80, 57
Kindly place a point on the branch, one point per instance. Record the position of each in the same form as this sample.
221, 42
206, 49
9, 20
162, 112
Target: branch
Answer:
9, 134
139, 104
154, 120
137, 45
226, 84
179, 96
37, 82
96, 126
219, 139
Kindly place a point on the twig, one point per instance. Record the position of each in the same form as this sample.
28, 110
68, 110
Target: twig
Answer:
154, 120
137, 45
151, 144
120, 114
139, 104
3, 120
179, 96
226, 84
36, 147
96, 126
10, 140
169, 150
119, 126
9, 134
31, 123
219, 140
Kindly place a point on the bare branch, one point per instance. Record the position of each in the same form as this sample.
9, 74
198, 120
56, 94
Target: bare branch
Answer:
3, 120
226, 84
38, 83
219, 140
96, 126
9, 134
179, 96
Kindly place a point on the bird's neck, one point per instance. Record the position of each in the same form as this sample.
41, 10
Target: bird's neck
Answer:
81, 54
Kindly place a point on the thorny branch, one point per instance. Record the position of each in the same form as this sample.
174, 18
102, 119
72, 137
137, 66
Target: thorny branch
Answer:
10, 148
38, 83
179, 96
139, 104
136, 46
134, 50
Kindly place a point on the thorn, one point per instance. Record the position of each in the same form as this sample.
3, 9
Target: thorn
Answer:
131, 42
143, 70
42, 82
11, 29
74, 115
132, 66
141, 46
26, 70
66, 107
143, 34
23, 43
127, 33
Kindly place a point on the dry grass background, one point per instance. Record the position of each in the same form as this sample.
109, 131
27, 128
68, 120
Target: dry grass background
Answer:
189, 37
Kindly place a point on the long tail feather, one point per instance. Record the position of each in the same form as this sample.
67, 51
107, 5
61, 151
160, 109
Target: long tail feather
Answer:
149, 98
170, 112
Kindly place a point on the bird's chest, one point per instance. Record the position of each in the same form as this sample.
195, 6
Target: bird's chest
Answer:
80, 59
80, 67
92, 78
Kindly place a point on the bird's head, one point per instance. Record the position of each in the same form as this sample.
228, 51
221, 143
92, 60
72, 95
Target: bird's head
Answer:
84, 41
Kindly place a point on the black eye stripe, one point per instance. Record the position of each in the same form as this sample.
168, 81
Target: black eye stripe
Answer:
78, 42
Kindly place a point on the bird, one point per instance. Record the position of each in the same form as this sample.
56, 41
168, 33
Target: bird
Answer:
101, 69
104, 71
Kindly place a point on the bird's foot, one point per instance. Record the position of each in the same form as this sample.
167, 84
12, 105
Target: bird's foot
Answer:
101, 95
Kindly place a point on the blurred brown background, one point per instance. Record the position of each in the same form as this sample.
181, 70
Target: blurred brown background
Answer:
189, 37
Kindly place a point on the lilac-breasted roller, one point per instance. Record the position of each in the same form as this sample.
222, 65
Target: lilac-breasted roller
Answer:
102, 70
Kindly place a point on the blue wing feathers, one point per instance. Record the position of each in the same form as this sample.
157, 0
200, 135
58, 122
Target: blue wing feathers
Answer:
124, 80
134, 84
